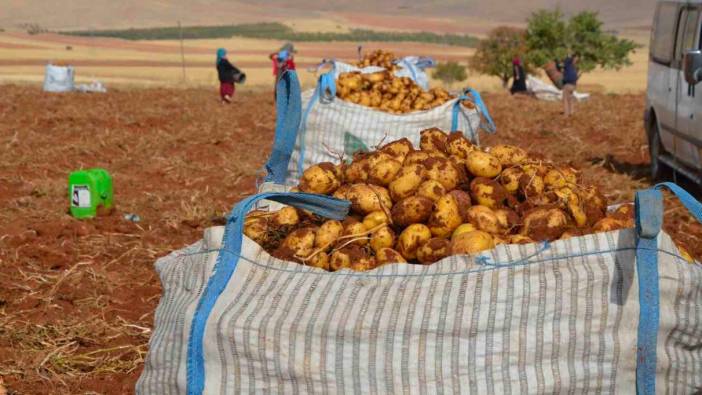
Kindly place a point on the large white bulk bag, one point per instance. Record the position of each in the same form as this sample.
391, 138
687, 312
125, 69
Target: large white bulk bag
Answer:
315, 126
58, 78
615, 312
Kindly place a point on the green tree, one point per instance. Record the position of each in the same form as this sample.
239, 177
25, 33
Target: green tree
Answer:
550, 36
450, 72
495, 53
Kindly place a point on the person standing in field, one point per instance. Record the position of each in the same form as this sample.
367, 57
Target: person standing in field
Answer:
518, 76
570, 80
227, 74
283, 60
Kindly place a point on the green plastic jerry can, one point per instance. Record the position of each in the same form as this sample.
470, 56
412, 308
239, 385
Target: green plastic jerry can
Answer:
88, 190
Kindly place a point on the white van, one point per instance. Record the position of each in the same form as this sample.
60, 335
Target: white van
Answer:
673, 117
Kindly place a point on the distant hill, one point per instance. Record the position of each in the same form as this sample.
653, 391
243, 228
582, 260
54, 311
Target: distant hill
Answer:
468, 16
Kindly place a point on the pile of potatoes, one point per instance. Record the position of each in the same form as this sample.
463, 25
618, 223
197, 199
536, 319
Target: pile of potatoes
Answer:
450, 197
379, 58
386, 92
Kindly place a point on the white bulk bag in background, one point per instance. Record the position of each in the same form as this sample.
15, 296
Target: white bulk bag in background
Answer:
315, 126
545, 91
58, 78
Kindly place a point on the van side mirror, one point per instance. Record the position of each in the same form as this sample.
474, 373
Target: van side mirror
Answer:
692, 66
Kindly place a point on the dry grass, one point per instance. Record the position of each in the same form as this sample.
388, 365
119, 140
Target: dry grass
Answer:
77, 297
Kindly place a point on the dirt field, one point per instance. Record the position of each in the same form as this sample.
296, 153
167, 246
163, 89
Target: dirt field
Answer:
77, 297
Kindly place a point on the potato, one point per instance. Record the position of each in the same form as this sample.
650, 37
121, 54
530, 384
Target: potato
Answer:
594, 204
542, 224
555, 179
256, 228
367, 198
364, 263
573, 232
433, 139
374, 219
482, 164
608, 224
374, 77
297, 245
411, 210
509, 155
357, 171
327, 234
416, 158
463, 201
624, 213
463, 177
398, 149
499, 239
287, 216
509, 178
487, 192
484, 219
373, 158
531, 186
320, 179
347, 257
459, 146
384, 171
463, 228
411, 238
446, 216
341, 192
431, 189
507, 218
388, 255
407, 182
319, 260
519, 239
355, 230
435, 249
471, 243
443, 171
382, 238
684, 253
574, 205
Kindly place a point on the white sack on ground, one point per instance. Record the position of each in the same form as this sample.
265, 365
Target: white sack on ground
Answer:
546, 91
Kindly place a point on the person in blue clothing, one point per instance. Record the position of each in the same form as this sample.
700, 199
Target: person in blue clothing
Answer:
570, 80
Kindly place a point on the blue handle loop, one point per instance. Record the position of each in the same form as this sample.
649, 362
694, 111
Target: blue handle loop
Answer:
475, 97
288, 109
410, 67
226, 265
478, 100
649, 220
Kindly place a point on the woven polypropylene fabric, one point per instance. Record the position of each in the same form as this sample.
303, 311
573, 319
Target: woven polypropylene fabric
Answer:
328, 125
527, 319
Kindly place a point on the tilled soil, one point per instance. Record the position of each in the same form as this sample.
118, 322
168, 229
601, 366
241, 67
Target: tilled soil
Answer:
77, 297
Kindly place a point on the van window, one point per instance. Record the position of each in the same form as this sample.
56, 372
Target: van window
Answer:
687, 32
663, 33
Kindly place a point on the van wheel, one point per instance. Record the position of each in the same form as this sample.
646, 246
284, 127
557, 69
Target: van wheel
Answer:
655, 149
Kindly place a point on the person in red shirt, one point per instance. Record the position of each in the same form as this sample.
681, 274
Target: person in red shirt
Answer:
283, 60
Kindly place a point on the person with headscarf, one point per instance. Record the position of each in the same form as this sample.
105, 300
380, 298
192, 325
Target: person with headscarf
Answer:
228, 75
283, 60
518, 76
